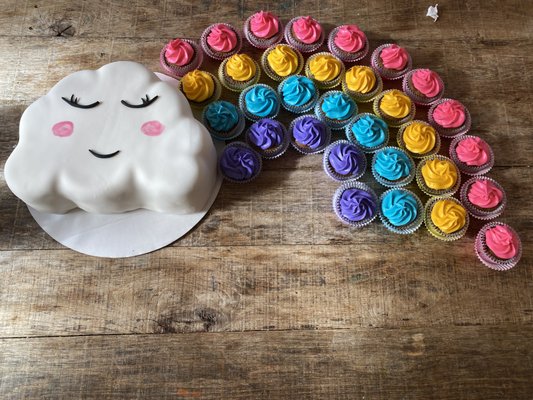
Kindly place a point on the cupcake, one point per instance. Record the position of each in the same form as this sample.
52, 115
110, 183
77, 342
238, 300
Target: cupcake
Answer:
298, 94
498, 246
220, 41
223, 120
368, 132
325, 69
362, 83
336, 109
348, 42
401, 211
392, 167
304, 33
418, 138
446, 219
343, 161
309, 135
238, 72
394, 106
259, 101
200, 87
268, 137
437, 175
483, 197
281, 61
355, 204
239, 163
472, 155
423, 86
449, 117
180, 56
391, 61
263, 29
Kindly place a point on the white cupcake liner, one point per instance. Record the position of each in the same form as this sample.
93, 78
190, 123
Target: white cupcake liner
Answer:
354, 185
328, 169
308, 150
400, 182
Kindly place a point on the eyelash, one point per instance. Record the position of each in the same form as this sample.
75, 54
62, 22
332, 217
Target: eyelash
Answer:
74, 102
146, 101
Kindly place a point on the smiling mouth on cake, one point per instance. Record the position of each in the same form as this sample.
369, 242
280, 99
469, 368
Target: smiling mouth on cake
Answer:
100, 155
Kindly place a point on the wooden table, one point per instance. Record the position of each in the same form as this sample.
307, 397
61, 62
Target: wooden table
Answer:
270, 296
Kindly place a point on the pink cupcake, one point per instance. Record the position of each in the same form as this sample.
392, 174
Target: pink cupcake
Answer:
263, 29
180, 56
472, 155
348, 42
220, 41
449, 117
498, 246
391, 61
304, 33
423, 86
483, 197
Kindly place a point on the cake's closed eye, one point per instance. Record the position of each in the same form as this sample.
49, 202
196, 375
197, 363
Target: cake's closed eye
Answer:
146, 101
75, 102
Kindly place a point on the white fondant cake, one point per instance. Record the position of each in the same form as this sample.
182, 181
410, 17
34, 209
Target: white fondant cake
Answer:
109, 141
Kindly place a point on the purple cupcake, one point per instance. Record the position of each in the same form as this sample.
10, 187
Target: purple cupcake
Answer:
239, 163
355, 204
309, 135
268, 137
344, 161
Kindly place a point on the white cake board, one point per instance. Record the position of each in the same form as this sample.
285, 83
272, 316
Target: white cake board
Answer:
121, 235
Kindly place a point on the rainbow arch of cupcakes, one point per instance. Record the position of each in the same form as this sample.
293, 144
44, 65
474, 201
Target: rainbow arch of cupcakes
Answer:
324, 90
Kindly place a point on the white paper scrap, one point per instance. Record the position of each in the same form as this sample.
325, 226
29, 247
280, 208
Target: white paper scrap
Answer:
433, 12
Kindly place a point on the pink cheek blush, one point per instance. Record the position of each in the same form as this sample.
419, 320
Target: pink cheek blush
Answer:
152, 128
63, 129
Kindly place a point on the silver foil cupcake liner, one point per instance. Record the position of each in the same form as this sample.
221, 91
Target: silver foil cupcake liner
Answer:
291, 39
251, 116
387, 73
434, 230
330, 171
474, 170
333, 123
417, 97
360, 186
391, 121
297, 109
421, 182
272, 153
449, 132
487, 257
176, 70
262, 43
350, 135
404, 181
403, 146
406, 229
479, 212
220, 55
305, 149
346, 56
253, 152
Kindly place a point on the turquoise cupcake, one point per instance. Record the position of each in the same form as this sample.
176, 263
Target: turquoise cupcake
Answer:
401, 211
336, 109
223, 120
392, 167
298, 94
368, 132
259, 101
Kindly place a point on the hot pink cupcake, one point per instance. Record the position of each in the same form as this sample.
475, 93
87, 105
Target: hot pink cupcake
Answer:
483, 197
220, 41
304, 33
263, 29
498, 246
391, 61
348, 42
180, 56
423, 86
449, 117
472, 155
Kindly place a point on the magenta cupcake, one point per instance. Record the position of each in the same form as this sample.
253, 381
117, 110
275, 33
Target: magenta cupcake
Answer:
449, 117
472, 155
220, 41
263, 29
309, 135
355, 204
348, 42
239, 163
304, 33
483, 197
498, 246
423, 86
180, 56
268, 137
391, 61
344, 161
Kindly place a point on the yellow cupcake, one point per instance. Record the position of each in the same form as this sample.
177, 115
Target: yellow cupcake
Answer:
439, 174
448, 216
240, 67
197, 85
360, 79
324, 67
419, 138
283, 60
395, 103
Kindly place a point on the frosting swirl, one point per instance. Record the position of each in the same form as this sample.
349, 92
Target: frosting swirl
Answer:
240, 67
283, 60
179, 52
357, 205
298, 90
394, 57
439, 174
395, 104
310, 132
360, 79
426, 82
502, 242
266, 133
238, 163
324, 67
197, 85
222, 116
419, 138
392, 164
370, 131
264, 24
399, 207
221, 38
261, 101
473, 151
448, 216
350, 38
338, 106
345, 159
449, 114
484, 194
307, 30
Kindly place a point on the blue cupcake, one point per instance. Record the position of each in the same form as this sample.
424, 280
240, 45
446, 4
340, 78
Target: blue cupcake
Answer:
298, 94
259, 101
392, 167
336, 109
239, 163
368, 132
223, 120
344, 161
401, 211
268, 137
